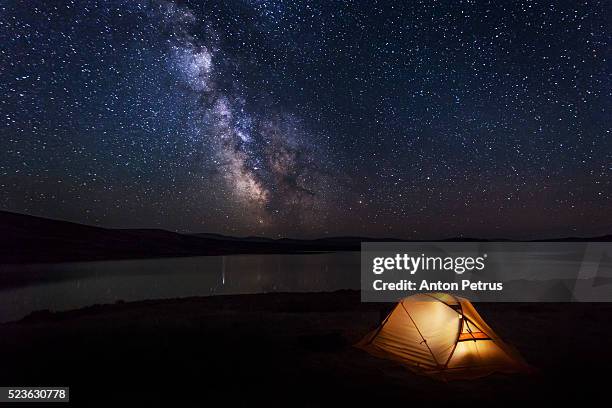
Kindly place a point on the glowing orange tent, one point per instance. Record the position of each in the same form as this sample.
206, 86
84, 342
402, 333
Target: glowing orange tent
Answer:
443, 336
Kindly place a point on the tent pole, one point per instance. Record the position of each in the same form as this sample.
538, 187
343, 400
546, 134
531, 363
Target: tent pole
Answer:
461, 323
380, 327
418, 331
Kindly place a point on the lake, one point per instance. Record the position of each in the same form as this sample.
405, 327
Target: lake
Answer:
65, 286
545, 276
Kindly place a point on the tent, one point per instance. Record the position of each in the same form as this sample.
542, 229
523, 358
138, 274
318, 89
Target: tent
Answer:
442, 336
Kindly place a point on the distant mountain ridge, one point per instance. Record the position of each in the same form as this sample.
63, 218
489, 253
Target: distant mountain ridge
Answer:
30, 239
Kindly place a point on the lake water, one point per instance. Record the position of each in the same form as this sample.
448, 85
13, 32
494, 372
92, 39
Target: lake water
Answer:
64, 286
550, 276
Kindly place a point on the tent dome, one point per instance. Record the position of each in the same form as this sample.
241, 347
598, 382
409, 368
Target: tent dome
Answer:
443, 336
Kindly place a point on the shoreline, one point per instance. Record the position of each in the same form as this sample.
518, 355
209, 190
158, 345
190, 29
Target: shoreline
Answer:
266, 348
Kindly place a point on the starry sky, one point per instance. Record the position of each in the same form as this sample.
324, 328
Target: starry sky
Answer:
424, 119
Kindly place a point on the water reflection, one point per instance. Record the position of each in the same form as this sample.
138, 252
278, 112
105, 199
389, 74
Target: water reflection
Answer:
27, 288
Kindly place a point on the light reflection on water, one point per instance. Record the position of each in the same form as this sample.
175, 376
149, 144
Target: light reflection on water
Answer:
73, 285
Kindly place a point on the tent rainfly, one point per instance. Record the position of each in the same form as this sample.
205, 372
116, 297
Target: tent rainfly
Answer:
442, 336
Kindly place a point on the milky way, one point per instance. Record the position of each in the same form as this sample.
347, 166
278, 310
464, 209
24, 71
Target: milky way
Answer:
266, 160
301, 118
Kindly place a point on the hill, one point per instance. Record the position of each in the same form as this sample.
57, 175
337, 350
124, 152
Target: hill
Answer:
28, 239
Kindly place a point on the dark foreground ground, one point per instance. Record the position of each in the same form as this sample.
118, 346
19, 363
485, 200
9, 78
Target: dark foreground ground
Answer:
290, 350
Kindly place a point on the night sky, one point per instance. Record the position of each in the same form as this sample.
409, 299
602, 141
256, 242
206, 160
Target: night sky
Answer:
416, 119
